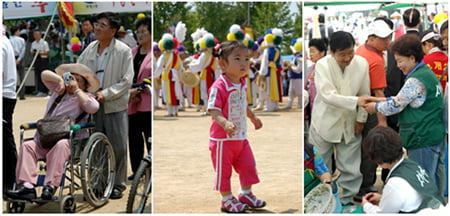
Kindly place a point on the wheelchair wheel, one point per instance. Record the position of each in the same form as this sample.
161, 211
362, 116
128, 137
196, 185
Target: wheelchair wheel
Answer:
15, 207
140, 188
68, 204
98, 166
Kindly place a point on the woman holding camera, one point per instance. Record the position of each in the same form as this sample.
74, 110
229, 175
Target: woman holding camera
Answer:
76, 102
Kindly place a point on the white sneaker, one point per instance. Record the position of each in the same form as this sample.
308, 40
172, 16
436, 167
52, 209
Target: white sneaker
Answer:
233, 205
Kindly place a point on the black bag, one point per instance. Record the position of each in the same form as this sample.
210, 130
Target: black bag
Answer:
52, 129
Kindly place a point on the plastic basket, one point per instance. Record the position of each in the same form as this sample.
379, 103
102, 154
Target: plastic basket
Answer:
320, 200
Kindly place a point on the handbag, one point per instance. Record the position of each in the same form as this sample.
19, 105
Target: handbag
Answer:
52, 129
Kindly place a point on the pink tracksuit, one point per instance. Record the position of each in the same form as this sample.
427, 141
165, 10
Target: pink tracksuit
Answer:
231, 152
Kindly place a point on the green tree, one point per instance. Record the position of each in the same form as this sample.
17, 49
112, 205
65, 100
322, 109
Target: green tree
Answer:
166, 14
275, 15
217, 17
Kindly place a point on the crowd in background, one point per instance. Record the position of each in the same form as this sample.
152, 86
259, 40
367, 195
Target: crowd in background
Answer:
398, 56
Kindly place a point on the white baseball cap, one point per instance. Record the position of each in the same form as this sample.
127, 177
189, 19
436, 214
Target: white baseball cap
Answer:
379, 28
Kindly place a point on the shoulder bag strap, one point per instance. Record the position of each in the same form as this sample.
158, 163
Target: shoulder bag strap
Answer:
81, 116
55, 103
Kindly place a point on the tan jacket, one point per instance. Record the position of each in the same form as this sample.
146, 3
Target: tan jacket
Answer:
118, 73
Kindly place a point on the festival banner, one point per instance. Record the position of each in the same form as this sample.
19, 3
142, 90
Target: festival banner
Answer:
23, 10
20, 9
81, 8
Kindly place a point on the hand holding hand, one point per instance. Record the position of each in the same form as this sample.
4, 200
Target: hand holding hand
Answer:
362, 100
370, 107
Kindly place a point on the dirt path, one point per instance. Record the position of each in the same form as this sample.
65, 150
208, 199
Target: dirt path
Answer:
183, 172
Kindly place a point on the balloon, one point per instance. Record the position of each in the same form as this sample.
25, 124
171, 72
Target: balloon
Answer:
140, 16
75, 40
76, 47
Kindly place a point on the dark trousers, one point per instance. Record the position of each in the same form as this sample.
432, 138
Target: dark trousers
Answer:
368, 168
39, 66
21, 75
140, 128
9, 145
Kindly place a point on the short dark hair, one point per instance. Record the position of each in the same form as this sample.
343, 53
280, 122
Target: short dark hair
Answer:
114, 19
227, 47
341, 40
383, 145
321, 18
319, 44
408, 45
411, 17
145, 21
88, 19
13, 29
443, 27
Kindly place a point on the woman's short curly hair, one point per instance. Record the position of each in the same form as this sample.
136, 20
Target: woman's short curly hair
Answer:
408, 45
383, 145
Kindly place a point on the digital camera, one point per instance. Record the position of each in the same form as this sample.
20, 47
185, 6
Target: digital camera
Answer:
67, 77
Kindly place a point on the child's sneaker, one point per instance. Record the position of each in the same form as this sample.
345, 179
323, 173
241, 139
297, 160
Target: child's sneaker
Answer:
233, 205
251, 200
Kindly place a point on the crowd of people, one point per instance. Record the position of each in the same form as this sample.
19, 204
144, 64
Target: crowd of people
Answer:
100, 86
376, 102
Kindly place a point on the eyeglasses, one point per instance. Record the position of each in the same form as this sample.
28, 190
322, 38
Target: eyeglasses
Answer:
101, 25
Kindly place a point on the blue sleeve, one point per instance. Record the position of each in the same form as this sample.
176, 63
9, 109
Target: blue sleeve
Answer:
319, 165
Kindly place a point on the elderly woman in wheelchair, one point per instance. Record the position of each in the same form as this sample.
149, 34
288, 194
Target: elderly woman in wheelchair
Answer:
72, 90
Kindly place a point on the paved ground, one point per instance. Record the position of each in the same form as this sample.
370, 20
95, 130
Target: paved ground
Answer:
30, 110
184, 175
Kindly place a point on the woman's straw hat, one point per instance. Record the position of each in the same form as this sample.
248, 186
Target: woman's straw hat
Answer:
82, 70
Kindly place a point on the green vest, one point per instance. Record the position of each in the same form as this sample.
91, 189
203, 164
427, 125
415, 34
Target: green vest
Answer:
417, 177
423, 126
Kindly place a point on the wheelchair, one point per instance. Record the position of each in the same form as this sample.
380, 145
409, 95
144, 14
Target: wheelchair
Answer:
90, 168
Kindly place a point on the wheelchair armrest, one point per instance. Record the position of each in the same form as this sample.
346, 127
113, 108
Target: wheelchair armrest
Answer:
80, 126
28, 126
